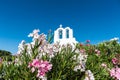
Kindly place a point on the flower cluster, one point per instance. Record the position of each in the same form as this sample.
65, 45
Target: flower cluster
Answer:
115, 73
39, 57
97, 52
114, 60
41, 66
21, 47
0, 60
81, 60
89, 75
87, 42
44, 48
104, 65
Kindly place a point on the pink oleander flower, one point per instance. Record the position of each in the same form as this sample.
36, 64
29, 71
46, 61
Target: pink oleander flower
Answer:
104, 65
41, 66
88, 41
114, 60
36, 63
41, 73
115, 73
81, 44
0, 60
82, 50
87, 44
97, 51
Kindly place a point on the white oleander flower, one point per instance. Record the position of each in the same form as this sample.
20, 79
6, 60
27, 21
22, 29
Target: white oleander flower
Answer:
29, 49
89, 75
35, 32
43, 78
21, 47
56, 48
81, 60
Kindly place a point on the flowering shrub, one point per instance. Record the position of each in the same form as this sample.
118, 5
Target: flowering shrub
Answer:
40, 60
103, 60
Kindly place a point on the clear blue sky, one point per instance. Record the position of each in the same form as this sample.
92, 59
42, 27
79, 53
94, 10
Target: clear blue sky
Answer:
96, 20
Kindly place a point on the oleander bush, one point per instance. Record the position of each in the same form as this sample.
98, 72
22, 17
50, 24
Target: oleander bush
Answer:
43, 60
103, 60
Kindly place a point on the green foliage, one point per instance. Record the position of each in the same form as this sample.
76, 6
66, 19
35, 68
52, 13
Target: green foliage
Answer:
5, 55
62, 69
107, 52
63, 65
63, 62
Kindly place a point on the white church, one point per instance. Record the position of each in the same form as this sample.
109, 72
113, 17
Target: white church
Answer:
64, 36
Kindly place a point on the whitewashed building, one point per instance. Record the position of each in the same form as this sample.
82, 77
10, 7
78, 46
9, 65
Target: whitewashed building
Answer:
64, 36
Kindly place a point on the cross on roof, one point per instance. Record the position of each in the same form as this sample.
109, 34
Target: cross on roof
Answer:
60, 25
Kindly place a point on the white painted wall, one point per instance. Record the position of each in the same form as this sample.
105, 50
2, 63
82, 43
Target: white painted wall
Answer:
71, 40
